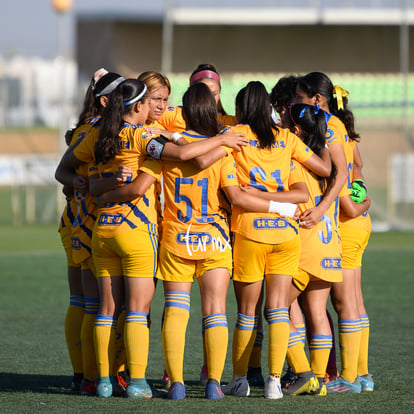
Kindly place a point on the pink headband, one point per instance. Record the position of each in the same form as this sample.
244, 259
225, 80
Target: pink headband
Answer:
205, 74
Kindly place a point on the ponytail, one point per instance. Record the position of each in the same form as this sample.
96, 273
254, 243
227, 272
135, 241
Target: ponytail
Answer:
253, 108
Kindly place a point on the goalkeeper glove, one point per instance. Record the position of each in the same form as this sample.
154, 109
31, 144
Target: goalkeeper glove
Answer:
359, 191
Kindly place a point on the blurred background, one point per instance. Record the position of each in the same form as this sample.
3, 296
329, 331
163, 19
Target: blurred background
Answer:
50, 49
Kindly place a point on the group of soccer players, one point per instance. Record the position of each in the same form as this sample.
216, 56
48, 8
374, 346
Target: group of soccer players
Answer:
277, 204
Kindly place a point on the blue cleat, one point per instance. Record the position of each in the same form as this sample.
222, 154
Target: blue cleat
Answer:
213, 390
104, 389
367, 383
176, 391
342, 386
139, 388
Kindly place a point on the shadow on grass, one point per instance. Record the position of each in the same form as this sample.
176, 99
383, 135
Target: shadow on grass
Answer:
53, 384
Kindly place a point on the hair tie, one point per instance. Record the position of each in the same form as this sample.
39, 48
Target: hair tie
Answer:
316, 111
138, 97
341, 96
302, 112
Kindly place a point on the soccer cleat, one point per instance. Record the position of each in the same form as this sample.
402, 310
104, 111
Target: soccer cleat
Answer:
166, 381
238, 387
76, 383
272, 389
213, 390
104, 389
87, 387
306, 383
176, 391
203, 375
343, 386
119, 386
139, 389
289, 378
255, 377
321, 390
367, 383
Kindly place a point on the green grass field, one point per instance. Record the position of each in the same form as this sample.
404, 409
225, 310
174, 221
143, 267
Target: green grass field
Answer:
35, 369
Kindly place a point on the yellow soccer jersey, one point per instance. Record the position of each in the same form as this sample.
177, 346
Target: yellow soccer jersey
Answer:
172, 119
69, 213
267, 170
195, 219
321, 245
117, 218
86, 209
226, 120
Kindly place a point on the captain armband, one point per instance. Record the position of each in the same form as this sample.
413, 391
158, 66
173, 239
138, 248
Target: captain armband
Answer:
156, 146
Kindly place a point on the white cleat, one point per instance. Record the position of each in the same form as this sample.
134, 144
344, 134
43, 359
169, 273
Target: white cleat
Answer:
272, 389
238, 387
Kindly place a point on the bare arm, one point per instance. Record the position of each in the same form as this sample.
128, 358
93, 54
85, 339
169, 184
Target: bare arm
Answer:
313, 215
195, 149
246, 200
98, 185
352, 209
66, 171
320, 165
129, 192
249, 202
298, 193
357, 157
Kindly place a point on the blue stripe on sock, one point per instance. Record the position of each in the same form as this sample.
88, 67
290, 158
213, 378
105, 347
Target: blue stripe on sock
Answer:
294, 339
277, 315
77, 301
178, 299
349, 326
320, 342
91, 306
137, 317
211, 321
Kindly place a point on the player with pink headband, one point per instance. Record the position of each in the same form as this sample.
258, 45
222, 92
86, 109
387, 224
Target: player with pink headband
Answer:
172, 119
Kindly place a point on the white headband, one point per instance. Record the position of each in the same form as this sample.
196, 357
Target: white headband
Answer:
138, 97
111, 87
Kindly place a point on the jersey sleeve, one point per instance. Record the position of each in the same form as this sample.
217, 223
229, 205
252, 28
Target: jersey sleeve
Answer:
152, 167
300, 151
85, 151
228, 172
172, 119
296, 174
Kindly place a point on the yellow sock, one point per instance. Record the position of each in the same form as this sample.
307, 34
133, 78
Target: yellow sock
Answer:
104, 333
90, 368
349, 339
363, 347
255, 360
301, 328
204, 348
120, 352
216, 335
243, 339
176, 315
320, 348
278, 320
136, 343
296, 356
73, 326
